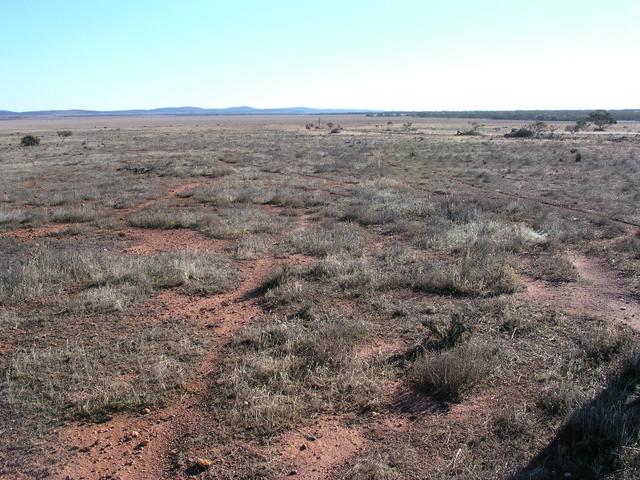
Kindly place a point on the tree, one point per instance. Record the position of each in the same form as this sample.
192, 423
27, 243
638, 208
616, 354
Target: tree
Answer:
601, 119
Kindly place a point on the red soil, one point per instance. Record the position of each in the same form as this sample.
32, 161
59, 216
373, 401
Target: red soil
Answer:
598, 292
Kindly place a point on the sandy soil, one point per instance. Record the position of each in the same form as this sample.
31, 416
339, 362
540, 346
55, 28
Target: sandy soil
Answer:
599, 292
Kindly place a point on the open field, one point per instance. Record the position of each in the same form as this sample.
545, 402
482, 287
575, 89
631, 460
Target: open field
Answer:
241, 297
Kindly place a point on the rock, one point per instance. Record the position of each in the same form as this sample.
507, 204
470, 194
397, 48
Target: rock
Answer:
199, 465
303, 447
146, 411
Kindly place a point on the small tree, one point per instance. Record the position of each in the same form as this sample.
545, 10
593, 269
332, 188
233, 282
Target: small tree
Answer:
29, 141
601, 119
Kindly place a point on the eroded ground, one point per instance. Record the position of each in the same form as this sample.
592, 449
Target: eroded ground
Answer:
244, 298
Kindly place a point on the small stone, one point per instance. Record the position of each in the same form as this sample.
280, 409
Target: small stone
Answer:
146, 411
303, 447
202, 463
293, 472
311, 438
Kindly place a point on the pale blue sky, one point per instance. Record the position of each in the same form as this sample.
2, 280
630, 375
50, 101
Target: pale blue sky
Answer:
403, 54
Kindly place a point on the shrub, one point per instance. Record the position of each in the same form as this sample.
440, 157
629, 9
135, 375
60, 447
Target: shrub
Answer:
29, 141
64, 133
601, 344
475, 272
559, 399
520, 133
448, 376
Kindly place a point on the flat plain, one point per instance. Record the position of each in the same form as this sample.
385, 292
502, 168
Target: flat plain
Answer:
244, 297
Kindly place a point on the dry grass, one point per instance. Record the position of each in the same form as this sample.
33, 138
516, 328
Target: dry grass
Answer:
166, 218
75, 214
15, 216
472, 273
117, 276
331, 238
417, 244
385, 202
450, 375
279, 372
553, 266
101, 376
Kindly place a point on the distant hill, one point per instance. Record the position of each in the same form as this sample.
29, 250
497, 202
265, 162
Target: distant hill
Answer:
244, 110
523, 115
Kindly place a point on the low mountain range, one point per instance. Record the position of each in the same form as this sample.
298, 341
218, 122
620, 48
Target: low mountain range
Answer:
178, 111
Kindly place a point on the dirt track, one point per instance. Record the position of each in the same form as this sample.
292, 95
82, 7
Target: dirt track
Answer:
599, 292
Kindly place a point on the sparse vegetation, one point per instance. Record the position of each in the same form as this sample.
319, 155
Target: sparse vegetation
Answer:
553, 266
601, 119
449, 375
520, 133
280, 371
64, 133
446, 306
29, 141
91, 379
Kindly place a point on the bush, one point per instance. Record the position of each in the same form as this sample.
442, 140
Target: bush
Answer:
475, 272
448, 376
600, 345
520, 133
29, 141
64, 133
559, 399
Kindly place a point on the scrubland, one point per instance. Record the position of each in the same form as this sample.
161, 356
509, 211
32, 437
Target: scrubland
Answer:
229, 297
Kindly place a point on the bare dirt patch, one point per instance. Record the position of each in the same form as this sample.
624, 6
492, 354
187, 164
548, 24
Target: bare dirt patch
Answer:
598, 292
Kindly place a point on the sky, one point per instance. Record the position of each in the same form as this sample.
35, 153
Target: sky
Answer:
373, 54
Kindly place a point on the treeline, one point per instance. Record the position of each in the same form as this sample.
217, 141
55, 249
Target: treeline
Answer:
528, 115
